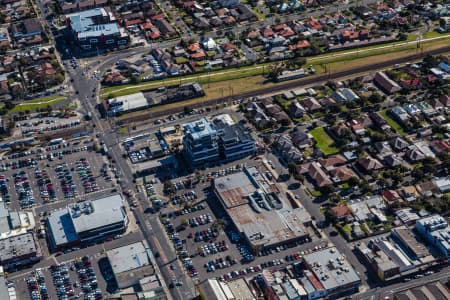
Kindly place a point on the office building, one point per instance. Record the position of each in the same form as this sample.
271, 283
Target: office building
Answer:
235, 141
222, 139
436, 231
96, 29
87, 222
200, 142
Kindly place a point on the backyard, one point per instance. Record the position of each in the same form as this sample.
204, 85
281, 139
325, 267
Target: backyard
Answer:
324, 142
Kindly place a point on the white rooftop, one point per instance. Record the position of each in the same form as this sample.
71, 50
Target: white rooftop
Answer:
129, 257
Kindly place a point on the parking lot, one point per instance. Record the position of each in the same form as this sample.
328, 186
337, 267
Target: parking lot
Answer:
46, 174
57, 121
77, 279
207, 247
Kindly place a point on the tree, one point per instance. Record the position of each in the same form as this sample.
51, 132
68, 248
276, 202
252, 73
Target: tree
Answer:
169, 187
292, 168
9, 105
285, 122
187, 109
353, 181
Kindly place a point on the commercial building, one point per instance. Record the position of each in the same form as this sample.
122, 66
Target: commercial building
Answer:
130, 264
214, 289
17, 243
436, 231
328, 274
87, 222
18, 251
384, 267
208, 142
96, 29
407, 239
13, 222
200, 142
124, 104
255, 206
235, 141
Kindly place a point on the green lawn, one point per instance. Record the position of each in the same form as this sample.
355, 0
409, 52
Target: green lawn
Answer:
324, 141
332, 60
432, 34
204, 78
396, 126
348, 230
37, 103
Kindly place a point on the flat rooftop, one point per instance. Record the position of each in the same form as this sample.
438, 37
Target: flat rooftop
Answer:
89, 215
65, 224
240, 289
128, 102
234, 189
331, 268
256, 208
199, 128
128, 257
409, 239
130, 262
17, 246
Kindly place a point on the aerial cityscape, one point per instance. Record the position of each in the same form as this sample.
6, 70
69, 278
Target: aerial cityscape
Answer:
224, 149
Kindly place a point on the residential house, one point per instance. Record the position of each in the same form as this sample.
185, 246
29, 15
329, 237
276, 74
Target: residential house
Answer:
302, 139
315, 173
284, 145
369, 164
399, 144
391, 196
393, 160
357, 127
311, 104
388, 85
342, 213
445, 100
400, 114
342, 174
379, 121
296, 110
414, 154
333, 161
165, 28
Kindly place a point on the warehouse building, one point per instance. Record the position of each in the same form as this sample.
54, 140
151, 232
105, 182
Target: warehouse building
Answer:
87, 222
125, 104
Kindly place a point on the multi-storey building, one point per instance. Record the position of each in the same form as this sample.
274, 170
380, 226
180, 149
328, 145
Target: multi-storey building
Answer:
96, 29
208, 142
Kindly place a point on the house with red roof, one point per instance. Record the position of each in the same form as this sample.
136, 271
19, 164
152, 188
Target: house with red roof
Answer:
342, 213
133, 22
313, 24
300, 45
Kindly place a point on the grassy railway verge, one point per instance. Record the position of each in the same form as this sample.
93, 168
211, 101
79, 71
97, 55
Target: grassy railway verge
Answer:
362, 68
